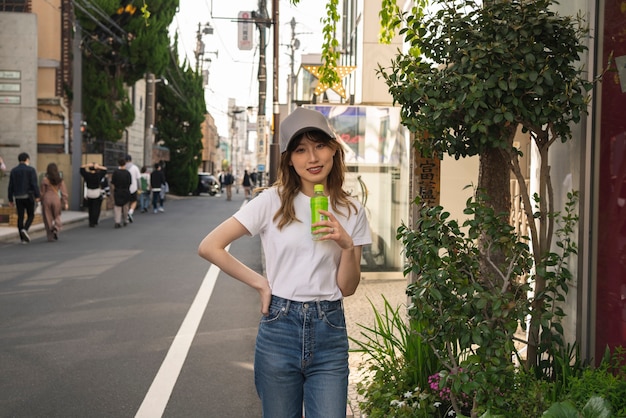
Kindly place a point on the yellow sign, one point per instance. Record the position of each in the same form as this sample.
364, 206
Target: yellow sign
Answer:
338, 88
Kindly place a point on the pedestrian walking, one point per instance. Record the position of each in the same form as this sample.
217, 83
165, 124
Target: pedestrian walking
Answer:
220, 179
24, 194
121, 180
229, 179
246, 183
53, 200
93, 174
134, 186
144, 191
165, 189
157, 180
301, 354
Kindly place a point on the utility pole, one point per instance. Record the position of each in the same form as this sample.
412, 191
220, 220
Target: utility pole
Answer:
199, 51
148, 132
262, 23
77, 115
275, 145
293, 45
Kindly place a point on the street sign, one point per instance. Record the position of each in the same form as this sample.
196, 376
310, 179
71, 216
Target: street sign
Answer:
12, 87
245, 31
10, 99
10, 75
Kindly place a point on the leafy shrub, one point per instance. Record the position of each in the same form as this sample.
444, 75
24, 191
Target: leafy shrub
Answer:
608, 380
469, 320
397, 367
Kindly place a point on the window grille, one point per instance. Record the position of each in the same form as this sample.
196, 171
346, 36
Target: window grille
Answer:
23, 6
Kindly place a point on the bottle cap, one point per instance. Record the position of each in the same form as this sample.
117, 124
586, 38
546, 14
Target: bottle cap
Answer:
318, 188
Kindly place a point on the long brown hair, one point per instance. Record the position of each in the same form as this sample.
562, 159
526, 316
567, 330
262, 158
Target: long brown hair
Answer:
52, 173
289, 183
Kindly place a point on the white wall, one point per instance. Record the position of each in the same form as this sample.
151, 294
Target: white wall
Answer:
455, 175
371, 89
136, 130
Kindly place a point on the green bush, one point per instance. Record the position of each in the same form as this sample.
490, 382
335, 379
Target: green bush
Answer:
608, 381
469, 320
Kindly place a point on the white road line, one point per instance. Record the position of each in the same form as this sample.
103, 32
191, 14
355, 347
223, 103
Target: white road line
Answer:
158, 395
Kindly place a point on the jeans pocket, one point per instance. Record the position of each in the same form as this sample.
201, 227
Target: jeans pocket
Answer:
335, 318
274, 314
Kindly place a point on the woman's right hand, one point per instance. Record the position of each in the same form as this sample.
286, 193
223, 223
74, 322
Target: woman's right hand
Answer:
266, 298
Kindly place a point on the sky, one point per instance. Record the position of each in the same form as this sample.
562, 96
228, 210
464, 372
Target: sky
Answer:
233, 73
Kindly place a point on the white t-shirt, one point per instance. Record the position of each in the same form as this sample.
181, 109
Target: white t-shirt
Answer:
134, 175
299, 268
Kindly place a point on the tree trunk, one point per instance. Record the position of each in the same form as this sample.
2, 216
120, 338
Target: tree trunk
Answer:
494, 179
494, 182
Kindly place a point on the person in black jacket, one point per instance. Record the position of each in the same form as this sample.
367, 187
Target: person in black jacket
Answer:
247, 184
121, 180
24, 190
157, 180
229, 179
93, 174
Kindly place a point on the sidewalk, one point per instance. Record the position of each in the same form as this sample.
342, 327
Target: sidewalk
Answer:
68, 217
10, 233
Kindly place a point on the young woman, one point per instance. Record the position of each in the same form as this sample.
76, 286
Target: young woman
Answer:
121, 179
53, 199
301, 355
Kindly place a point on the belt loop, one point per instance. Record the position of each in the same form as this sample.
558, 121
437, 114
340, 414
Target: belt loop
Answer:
287, 305
319, 309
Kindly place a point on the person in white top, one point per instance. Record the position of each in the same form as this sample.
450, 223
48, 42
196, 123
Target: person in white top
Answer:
301, 353
135, 174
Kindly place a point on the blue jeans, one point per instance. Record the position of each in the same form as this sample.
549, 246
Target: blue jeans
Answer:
302, 358
144, 201
155, 200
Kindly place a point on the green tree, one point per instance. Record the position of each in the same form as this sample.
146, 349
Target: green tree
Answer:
390, 21
180, 112
482, 72
119, 46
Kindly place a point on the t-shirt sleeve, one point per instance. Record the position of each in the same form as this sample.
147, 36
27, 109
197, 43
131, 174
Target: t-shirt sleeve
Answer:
257, 213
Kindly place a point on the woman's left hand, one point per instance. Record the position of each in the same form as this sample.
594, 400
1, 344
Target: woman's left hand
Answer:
334, 231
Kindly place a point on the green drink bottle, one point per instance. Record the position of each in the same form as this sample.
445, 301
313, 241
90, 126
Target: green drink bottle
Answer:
318, 201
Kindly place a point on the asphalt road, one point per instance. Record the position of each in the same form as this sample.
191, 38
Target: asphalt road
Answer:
128, 322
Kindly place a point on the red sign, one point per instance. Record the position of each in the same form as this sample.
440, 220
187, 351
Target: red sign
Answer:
245, 32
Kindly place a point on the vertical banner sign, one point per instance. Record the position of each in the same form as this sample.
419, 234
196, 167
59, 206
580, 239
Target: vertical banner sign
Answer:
427, 174
245, 31
261, 145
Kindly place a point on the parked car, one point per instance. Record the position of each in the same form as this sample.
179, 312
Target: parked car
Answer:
207, 183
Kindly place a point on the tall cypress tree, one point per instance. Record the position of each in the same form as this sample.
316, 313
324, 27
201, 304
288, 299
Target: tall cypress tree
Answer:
181, 110
120, 44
